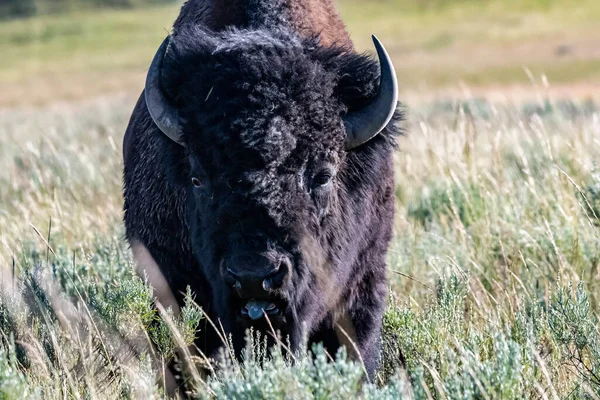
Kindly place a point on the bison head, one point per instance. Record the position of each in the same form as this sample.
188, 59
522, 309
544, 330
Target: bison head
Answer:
272, 133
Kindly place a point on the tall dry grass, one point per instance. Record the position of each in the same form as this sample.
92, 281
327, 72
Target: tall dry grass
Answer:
493, 266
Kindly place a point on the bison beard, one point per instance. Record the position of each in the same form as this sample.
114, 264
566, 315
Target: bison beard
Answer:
260, 206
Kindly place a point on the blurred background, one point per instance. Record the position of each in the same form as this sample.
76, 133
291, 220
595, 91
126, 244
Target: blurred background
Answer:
64, 50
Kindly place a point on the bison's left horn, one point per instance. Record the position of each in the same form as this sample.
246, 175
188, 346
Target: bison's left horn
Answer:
163, 112
366, 123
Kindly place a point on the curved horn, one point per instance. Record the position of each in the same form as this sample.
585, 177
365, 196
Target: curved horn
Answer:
364, 124
163, 112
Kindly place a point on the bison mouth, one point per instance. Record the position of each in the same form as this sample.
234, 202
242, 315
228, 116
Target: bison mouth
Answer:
256, 309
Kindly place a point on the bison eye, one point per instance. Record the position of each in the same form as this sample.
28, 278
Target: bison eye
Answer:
196, 182
323, 178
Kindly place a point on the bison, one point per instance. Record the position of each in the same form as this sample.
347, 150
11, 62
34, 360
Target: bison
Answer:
258, 172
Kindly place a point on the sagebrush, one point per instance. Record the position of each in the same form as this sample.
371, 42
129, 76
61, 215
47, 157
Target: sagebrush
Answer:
493, 268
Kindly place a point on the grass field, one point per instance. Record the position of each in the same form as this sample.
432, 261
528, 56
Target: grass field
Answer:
493, 267
480, 43
495, 263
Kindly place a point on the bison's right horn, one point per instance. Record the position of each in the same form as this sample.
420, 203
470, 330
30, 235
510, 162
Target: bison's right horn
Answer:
363, 125
163, 112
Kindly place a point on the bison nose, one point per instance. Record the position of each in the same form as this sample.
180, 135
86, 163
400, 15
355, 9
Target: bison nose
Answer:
276, 279
251, 283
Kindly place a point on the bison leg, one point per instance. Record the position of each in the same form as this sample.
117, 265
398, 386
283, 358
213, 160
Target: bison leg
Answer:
360, 331
359, 328
169, 290
148, 268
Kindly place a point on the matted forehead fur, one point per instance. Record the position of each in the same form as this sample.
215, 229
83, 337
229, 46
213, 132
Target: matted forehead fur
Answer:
263, 100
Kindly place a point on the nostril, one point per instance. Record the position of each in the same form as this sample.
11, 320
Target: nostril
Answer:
233, 280
237, 286
267, 285
231, 272
276, 278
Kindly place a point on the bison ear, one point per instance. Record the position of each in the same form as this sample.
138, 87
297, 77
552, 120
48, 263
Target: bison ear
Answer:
368, 121
163, 112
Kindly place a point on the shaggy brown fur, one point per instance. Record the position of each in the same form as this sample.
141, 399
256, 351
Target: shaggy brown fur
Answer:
309, 18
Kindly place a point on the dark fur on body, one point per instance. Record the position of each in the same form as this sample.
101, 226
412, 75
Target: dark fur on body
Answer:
262, 111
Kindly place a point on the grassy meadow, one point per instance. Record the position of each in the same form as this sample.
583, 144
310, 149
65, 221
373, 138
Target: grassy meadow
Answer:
435, 44
494, 267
